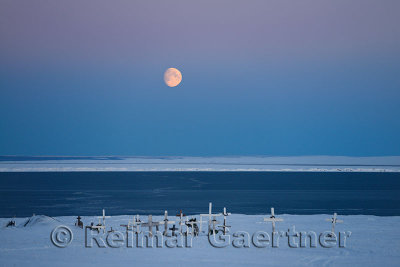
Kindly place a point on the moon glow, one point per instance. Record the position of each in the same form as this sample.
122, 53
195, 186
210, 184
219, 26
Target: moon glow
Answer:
172, 77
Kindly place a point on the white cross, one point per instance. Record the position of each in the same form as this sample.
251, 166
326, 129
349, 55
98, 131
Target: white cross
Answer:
213, 222
181, 223
224, 225
273, 219
209, 215
134, 225
102, 225
137, 223
104, 217
151, 224
334, 220
127, 226
166, 222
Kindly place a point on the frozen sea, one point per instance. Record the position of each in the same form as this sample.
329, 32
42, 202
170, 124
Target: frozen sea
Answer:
73, 193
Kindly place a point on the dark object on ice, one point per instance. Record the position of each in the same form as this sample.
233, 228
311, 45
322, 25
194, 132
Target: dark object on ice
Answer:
91, 227
213, 230
173, 229
194, 225
98, 226
79, 223
10, 223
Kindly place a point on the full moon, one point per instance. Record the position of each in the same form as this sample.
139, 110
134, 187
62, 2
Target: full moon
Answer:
172, 77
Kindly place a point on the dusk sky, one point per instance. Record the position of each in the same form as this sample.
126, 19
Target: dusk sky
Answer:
259, 77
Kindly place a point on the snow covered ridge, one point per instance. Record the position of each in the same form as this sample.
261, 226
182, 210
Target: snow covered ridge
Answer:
260, 163
373, 242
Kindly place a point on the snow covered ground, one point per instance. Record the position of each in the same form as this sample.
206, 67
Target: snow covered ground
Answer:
261, 163
374, 241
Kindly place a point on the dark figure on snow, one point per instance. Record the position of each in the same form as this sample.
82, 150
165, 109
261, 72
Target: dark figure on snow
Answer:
11, 223
79, 223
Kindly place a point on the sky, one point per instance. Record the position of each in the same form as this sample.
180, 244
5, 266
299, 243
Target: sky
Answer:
279, 78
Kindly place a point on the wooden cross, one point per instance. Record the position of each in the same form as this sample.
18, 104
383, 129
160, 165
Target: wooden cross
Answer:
166, 222
134, 226
224, 226
137, 223
101, 225
334, 220
151, 224
213, 222
181, 223
209, 215
104, 217
273, 219
127, 226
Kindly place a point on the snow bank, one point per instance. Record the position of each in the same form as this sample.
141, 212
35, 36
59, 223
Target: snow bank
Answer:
374, 241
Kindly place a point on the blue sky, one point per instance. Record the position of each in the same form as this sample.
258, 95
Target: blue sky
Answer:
266, 78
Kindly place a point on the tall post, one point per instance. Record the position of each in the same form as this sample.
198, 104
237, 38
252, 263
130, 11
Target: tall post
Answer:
224, 221
273, 221
165, 222
209, 216
180, 222
334, 222
224, 225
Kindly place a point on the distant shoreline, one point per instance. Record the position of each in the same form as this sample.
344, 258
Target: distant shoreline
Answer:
199, 164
